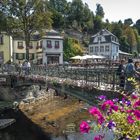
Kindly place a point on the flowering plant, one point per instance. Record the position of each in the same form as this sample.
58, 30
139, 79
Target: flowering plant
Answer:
122, 117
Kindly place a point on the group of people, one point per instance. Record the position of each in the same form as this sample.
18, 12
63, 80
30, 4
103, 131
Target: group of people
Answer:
126, 71
24, 67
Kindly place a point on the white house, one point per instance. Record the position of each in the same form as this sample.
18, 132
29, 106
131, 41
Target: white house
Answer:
104, 43
19, 48
52, 45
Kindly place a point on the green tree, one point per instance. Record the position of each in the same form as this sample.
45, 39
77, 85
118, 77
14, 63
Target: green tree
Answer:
99, 10
116, 29
71, 48
59, 10
76, 12
98, 24
26, 16
128, 21
137, 25
2, 21
131, 38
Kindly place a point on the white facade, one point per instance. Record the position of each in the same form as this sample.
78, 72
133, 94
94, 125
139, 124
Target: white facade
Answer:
104, 43
19, 50
52, 48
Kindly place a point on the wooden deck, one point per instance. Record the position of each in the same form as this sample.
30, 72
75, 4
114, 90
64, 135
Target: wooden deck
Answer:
6, 122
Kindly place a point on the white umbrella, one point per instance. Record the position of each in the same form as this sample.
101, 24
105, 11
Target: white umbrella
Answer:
97, 57
86, 57
76, 57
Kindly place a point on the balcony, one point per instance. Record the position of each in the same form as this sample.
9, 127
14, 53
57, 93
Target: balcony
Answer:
49, 46
57, 46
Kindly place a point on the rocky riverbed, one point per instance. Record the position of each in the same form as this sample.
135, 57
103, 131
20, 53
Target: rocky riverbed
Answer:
56, 115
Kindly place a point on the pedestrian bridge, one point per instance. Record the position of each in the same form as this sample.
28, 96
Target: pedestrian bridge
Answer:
84, 83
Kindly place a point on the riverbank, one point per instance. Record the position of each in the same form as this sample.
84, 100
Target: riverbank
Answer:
57, 116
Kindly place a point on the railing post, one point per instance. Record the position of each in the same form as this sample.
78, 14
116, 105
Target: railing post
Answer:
98, 79
113, 80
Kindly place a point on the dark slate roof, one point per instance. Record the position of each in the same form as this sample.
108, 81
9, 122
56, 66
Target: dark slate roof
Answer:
107, 35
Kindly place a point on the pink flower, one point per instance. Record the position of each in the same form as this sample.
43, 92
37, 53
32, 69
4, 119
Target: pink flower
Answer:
134, 96
137, 103
84, 127
129, 111
130, 119
99, 137
101, 119
107, 103
122, 109
137, 114
95, 111
114, 107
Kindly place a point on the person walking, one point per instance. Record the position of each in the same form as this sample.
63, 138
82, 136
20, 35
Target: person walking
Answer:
121, 74
137, 67
28, 67
130, 73
20, 67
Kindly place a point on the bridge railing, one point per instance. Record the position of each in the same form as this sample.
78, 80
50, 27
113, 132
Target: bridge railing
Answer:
99, 77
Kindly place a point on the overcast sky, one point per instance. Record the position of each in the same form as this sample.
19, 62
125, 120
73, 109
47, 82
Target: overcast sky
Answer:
116, 10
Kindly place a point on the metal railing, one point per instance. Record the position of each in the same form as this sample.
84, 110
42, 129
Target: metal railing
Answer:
101, 77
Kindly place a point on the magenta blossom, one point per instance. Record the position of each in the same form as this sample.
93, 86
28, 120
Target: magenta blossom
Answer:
122, 109
137, 114
134, 96
95, 111
137, 103
129, 111
99, 137
106, 104
114, 107
84, 127
130, 119
101, 119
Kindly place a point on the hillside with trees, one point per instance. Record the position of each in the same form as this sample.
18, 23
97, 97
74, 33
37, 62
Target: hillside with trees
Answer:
28, 16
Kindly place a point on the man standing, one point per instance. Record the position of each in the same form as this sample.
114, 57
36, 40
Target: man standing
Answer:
121, 74
130, 72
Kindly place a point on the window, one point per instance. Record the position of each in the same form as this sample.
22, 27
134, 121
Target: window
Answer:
96, 49
20, 45
37, 45
49, 45
31, 56
91, 49
20, 56
1, 39
56, 44
117, 49
99, 39
106, 48
101, 48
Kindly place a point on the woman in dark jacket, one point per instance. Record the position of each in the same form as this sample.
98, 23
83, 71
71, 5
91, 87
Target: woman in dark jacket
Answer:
121, 74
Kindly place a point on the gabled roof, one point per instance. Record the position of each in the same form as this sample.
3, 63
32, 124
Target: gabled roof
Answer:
107, 35
103, 32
